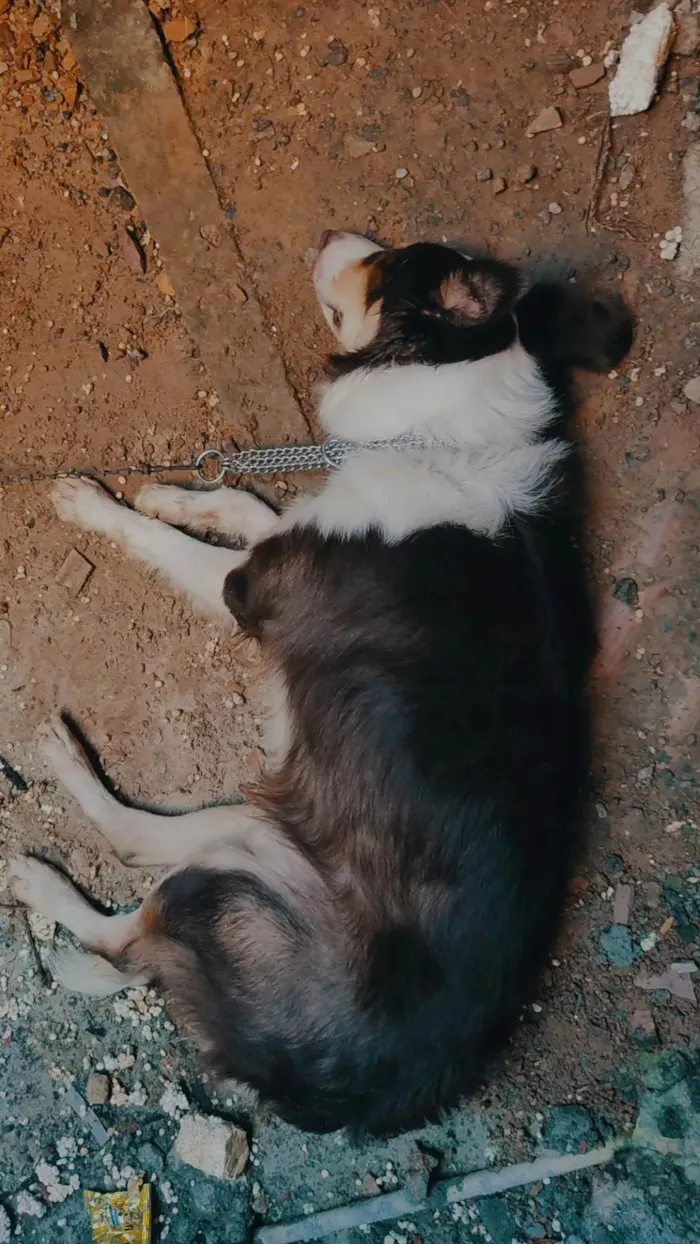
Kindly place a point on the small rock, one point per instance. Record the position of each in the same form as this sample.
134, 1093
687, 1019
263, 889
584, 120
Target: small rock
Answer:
618, 947
178, 29
643, 1029
626, 177
691, 122
165, 285
240, 294
586, 75
692, 389
5, 635
627, 591
622, 904
120, 199
485, 174
401, 173
211, 235
132, 250
355, 148
555, 209
499, 185
548, 119
370, 1185
74, 573
337, 54
687, 31
526, 173
212, 1146
97, 1089
260, 1202
41, 27
460, 97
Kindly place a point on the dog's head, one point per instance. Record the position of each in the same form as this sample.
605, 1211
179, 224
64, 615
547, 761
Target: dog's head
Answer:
422, 303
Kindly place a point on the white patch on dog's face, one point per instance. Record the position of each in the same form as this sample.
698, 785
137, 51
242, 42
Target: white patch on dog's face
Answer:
340, 281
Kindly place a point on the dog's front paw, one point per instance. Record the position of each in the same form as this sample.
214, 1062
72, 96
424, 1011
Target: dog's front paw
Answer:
36, 884
59, 747
85, 503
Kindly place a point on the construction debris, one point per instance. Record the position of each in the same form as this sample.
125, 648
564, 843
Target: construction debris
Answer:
675, 979
642, 57
212, 1146
622, 905
446, 1192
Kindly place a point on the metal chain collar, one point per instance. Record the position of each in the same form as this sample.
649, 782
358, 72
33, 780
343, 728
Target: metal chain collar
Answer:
330, 455
213, 465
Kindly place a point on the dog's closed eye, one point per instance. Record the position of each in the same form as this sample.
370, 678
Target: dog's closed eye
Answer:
337, 319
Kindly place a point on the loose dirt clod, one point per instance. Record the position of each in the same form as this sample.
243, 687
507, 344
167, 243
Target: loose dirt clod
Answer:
586, 75
355, 147
132, 250
97, 1089
178, 29
525, 174
212, 1146
74, 573
626, 177
548, 119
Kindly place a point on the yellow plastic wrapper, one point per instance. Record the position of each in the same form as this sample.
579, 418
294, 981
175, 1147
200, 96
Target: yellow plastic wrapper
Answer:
120, 1217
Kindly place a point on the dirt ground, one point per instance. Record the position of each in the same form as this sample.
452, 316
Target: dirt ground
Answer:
410, 120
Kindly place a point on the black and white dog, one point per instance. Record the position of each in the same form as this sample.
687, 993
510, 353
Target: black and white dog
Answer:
357, 939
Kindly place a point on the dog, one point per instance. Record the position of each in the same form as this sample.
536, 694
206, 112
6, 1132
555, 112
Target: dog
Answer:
356, 941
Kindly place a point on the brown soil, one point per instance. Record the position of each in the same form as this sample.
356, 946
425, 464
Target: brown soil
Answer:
98, 370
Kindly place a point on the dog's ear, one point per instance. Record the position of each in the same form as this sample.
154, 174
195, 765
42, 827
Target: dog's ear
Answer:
574, 327
479, 292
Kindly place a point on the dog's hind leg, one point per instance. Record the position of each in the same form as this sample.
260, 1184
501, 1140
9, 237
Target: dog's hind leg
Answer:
45, 889
229, 511
197, 569
140, 838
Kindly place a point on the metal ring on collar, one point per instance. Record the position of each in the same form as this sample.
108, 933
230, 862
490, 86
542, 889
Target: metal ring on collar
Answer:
209, 456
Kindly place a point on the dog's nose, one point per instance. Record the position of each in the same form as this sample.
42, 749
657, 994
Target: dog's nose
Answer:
327, 236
